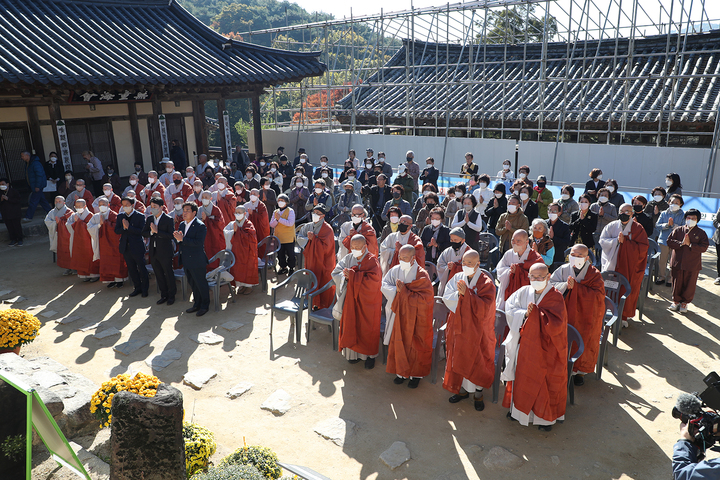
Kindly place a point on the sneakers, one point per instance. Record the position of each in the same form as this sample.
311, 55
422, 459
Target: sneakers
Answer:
717, 281
683, 308
625, 324
674, 307
19, 244
13, 243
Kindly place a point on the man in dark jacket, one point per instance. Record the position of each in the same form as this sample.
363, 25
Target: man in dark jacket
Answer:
430, 174
379, 195
10, 211
559, 232
54, 171
129, 226
286, 170
35, 174
159, 228
190, 235
178, 157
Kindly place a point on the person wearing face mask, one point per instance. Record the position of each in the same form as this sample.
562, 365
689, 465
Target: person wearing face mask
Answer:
140, 172
390, 246
167, 177
67, 184
583, 223
430, 174
639, 203
541, 242
483, 195
285, 169
386, 168
346, 201
397, 200
225, 199
358, 278
318, 196
391, 226
101, 227
147, 212
241, 239
283, 225
593, 186
351, 178
190, 238
134, 185
469, 168
11, 212
450, 205
513, 268
412, 168
423, 206
496, 207
251, 180
529, 208
656, 204
129, 225
137, 204
510, 222
176, 213
435, 236
688, 242
616, 197
323, 165
673, 184
624, 246
542, 196
559, 233
409, 313
356, 161
357, 225
367, 175
190, 176
177, 189
567, 203
450, 260
536, 351
505, 175
216, 178
583, 287
524, 176
196, 193
317, 240
241, 193
159, 229
80, 193
153, 185
59, 237
404, 180
211, 215
109, 195
257, 213
667, 221
299, 196
470, 332
606, 211
54, 175
469, 220
305, 165
95, 170
82, 255
267, 195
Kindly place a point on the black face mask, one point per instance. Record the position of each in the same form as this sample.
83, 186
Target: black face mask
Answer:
638, 208
177, 181
624, 217
456, 245
396, 194
541, 184
430, 206
403, 227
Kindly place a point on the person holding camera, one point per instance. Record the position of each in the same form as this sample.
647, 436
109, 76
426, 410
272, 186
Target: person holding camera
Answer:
685, 462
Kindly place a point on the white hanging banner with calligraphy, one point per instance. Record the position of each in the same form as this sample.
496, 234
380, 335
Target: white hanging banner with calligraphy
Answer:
164, 136
64, 145
228, 136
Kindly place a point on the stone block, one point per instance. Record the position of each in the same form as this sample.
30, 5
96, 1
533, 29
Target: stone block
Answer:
52, 401
500, 459
198, 378
47, 379
337, 430
239, 389
396, 455
278, 403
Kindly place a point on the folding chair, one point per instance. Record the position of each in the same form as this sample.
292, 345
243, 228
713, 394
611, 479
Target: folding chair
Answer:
272, 247
227, 260
647, 282
323, 316
573, 336
440, 314
614, 281
500, 326
609, 320
493, 250
305, 282
432, 273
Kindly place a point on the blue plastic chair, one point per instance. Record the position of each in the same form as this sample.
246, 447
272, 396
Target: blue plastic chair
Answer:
614, 281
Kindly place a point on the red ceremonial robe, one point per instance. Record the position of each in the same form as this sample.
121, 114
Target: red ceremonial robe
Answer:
457, 268
631, 262
259, 218
82, 252
370, 236
63, 241
115, 203
244, 247
138, 190
520, 278
215, 239
155, 187
226, 204
416, 242
585, 304
112, 262
411, 341
470, 338
540, 383
361, 315
320, 259
139, 206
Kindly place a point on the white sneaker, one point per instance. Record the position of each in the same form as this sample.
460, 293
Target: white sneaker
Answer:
717, 281
625, 324
683, 308
674, 307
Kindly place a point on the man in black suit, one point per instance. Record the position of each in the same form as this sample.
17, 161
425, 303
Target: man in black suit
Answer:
129, 226
159, 228
379, 195
190, 235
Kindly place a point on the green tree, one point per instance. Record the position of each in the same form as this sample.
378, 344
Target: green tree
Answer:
510, 26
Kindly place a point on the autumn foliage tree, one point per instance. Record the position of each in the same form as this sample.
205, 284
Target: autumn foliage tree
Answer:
316, 106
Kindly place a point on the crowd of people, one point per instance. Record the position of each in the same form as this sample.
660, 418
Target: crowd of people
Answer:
388, 242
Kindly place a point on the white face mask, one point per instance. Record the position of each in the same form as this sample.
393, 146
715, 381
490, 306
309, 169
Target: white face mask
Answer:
482, 184
318, 191
690, 223
468, 271
324, 175
169, 170
80, 210
323, 164
178, 207
599, 177
197, 189
552, 216
302, 160
316, 218
351, 178
584, 205
3, 187
668, 182
356, 219
53, 159
239, 216
658, 198
273, 169
128, 210
79, 188
107, 192
565, 196
435, 222
610, 188
299, 184
206, 201
512, 208
603, 199
103, 208
254, 198
537, 286
468, 208
133, 182
221, 186
524, 196
281, 204
394, 219
498, 195
249, 175
522, 175
357, 253
576, 262
262, 164
151, 180
674, 207
68, 178
405, 266
506, 167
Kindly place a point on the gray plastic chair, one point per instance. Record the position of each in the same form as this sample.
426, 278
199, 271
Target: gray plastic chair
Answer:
299, 257
227, 260
648, 280
614, 281
653, 248
494, 250
323, 316
573, 336
272, 247
432, 273
500, 327
440, 314
610, 319
305, 282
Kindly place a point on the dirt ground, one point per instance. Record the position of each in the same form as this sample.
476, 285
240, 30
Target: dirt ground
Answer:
619, 427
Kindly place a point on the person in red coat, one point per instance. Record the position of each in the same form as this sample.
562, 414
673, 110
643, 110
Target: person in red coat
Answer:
176, 213
154, 185
113, 200
113, 269
58, 234
81, 248
225, 199
196, 193
135, 186
258, 215
213, 219
318, 242
241, 239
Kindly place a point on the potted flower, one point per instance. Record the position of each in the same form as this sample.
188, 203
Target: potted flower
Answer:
142, 384
17, 327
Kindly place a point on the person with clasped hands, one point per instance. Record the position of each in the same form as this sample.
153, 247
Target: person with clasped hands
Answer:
685, 463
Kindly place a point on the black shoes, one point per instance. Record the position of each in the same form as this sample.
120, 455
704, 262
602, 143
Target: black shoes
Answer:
457, 397
119, 284
353, 362
192, 309
171, 300
112, 285
510, 417
144, 294
134, 293
201, 312
579, 380
544, 428
162, 300
398, 380
282, 271
479, 404
413, 383
369, 363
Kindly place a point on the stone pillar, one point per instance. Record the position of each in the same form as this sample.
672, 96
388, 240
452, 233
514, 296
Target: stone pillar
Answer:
146, 441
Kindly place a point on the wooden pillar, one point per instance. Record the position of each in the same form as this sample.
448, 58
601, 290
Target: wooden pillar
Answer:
135, 133
35, 135
156, 140
201, 133
257, 125
54, 117
227, 156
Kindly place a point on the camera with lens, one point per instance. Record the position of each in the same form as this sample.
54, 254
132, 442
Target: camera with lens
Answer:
699, 412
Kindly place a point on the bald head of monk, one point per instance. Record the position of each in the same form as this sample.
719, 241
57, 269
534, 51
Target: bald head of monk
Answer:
79, 205
539, 274
520, 241
406, 253
470, 262
358, 245
59, 202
